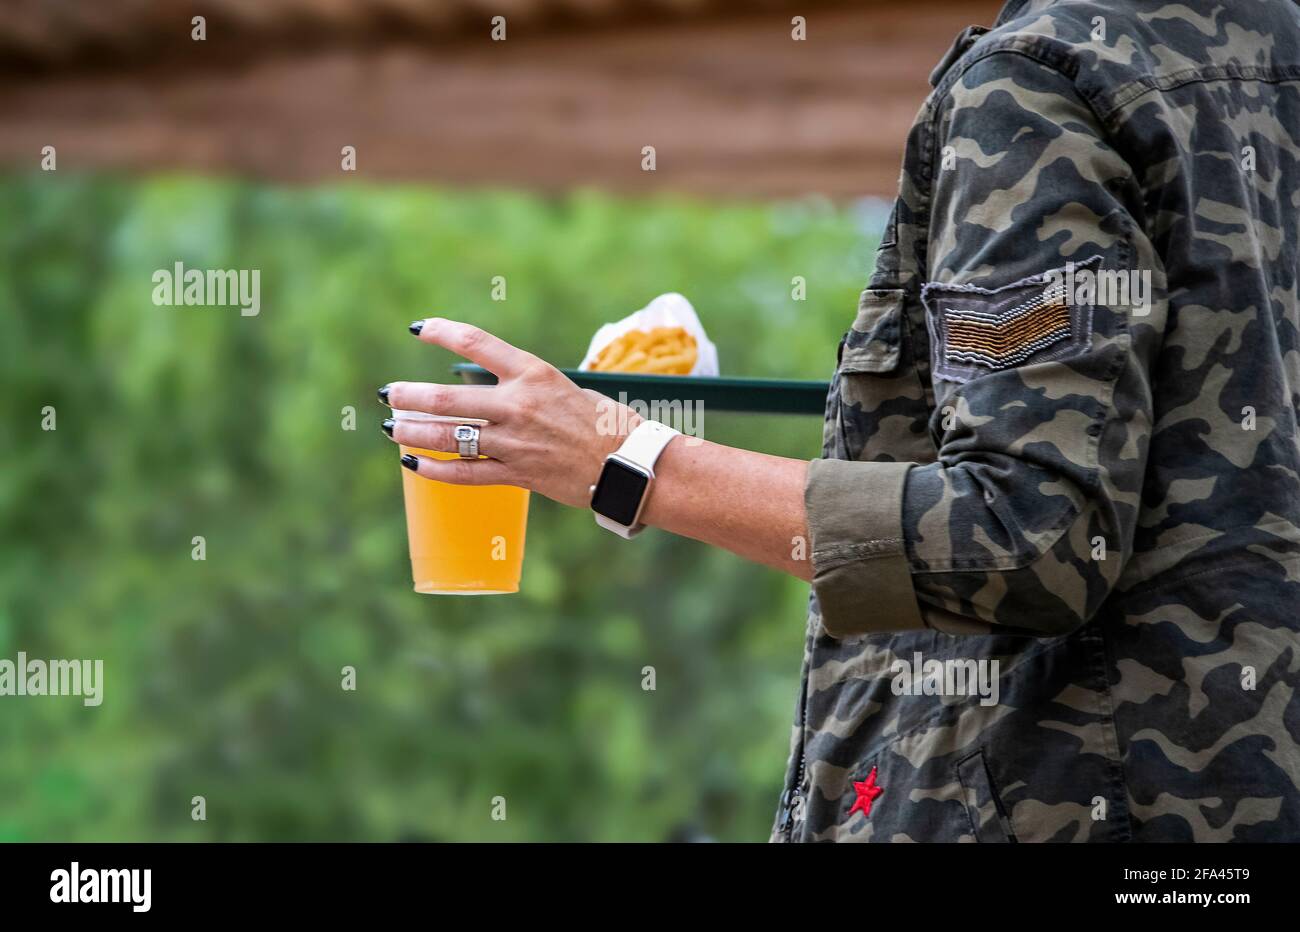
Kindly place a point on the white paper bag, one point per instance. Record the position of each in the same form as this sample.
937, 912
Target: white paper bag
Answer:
667, 310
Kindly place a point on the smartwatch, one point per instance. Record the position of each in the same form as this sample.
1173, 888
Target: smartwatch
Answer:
624, 484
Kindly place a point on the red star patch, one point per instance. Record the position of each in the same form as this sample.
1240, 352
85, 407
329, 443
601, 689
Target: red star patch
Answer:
867, 792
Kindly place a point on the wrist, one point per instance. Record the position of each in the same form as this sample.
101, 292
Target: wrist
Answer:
626, 482
614, 424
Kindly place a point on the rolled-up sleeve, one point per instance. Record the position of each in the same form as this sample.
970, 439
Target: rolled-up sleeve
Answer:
861, 575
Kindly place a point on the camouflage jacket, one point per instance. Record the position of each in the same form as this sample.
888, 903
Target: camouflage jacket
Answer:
1055, 527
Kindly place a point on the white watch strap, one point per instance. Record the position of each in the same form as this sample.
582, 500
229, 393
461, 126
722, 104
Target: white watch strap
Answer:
646, 442
619, 529
641, 447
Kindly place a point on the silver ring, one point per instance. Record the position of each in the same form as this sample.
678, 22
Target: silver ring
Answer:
467, 441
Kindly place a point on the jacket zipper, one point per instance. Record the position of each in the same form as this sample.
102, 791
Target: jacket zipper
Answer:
794, 793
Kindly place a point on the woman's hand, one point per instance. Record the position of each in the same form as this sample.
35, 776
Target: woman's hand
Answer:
546, 434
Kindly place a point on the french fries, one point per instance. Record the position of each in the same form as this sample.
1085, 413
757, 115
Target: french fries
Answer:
660, 351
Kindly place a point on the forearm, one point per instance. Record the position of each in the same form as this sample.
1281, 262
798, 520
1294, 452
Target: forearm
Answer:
749, 503
543, 434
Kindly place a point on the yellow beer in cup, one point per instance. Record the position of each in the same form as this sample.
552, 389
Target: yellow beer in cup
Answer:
464, 539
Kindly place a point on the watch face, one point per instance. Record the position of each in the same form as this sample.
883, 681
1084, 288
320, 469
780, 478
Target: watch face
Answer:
619, 491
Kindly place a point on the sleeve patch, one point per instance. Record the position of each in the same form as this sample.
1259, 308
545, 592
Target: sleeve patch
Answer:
977, 330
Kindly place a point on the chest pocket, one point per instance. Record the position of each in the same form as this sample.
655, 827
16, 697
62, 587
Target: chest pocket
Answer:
882, 411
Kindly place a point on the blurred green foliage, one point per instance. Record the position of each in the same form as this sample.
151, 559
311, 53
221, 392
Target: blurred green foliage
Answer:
222, 677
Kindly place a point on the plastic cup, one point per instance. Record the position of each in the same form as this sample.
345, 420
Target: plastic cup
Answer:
464, 539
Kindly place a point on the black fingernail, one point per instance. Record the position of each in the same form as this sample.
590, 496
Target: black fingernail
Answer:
383, 394
410, 462
416, 327
388, 426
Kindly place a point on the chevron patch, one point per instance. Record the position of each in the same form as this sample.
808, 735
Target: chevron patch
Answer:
975, 330
1007, 338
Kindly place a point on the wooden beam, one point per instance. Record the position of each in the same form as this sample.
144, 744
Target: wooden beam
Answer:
732, 106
